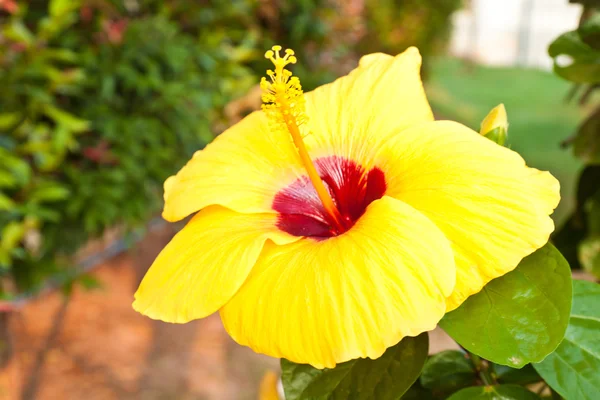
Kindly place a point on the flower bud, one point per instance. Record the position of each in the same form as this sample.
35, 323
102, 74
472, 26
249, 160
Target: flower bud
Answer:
495, 125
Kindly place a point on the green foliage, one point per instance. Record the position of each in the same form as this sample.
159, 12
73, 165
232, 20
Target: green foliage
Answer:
394, 25
387, 377
573, 370
579, 237
588, 3
520, 317
448, 371
523, 376
586, 145
581, 48
501, 392
98, 108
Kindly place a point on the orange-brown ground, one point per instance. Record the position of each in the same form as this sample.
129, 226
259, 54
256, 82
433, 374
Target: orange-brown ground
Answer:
95, 347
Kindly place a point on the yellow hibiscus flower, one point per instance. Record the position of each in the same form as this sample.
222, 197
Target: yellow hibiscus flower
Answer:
334, 223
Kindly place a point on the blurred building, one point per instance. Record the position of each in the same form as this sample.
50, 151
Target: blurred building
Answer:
511, 32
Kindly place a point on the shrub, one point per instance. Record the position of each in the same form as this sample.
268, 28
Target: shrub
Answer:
579, 237
103, 100
96, 112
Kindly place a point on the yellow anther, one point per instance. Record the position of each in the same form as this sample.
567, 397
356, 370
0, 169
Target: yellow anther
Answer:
283, 103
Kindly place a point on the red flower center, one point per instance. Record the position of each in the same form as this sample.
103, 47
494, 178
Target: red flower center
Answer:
351, 187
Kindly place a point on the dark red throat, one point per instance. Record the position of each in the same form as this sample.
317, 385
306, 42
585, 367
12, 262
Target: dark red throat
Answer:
351, 187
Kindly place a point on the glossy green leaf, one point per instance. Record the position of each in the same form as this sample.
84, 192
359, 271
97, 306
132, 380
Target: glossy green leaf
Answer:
387, 377
448, 371
573, 370
500, 392
520, 317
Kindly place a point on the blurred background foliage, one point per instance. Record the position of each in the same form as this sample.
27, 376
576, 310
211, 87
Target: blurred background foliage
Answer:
102, 100
576, 57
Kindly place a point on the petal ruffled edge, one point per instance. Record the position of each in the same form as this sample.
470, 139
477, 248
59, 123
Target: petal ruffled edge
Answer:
489, 204
381, 97
350, 296
205, 264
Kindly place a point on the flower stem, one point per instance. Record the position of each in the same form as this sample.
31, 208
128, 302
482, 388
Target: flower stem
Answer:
483, 369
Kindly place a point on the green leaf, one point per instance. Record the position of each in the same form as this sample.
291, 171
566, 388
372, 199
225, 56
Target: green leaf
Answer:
58, 54
387, 377
520, 317
50, 193
6, 202
69, 121
8, 120
573, 370
12, 234
7, 180
58, 8
584, 60
17, 31
448, 371
501, 392
590, 31
18, 167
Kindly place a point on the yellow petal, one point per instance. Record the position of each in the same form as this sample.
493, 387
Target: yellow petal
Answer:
349, 296
247, 164
489, 204
205, 264
367, 60
241, 169
361, 110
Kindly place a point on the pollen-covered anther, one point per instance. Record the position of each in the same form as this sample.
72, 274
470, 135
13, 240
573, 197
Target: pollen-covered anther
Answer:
284, 105
283, 99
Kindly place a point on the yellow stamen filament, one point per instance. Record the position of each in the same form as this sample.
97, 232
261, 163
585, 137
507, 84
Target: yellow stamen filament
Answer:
283, 102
